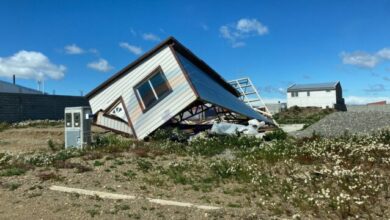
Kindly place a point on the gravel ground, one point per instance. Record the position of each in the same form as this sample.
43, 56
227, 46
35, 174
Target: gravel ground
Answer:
338, 123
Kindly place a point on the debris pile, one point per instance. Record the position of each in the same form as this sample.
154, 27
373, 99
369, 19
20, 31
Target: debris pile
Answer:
251, 129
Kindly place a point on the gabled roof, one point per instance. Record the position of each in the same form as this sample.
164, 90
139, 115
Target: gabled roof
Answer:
7, 87
170, 41
312, 87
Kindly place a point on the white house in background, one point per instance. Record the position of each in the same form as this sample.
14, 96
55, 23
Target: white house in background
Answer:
168, 84
324, 95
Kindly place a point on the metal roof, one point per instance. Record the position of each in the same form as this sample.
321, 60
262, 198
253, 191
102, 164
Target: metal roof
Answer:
170, 41
211, 91
312, 86
7, 87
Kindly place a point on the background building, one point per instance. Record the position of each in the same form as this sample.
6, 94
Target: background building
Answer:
18, 103
324, 95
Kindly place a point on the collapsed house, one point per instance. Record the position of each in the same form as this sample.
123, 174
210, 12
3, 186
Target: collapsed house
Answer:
167, 85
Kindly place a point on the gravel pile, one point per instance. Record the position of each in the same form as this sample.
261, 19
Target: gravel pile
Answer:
338, 123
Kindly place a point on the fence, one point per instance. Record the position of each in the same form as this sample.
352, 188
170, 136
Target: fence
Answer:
16, 107
368, 108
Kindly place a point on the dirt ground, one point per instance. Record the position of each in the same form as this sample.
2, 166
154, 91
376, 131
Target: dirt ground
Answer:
28, 196
33, 199
31, 139
263, 187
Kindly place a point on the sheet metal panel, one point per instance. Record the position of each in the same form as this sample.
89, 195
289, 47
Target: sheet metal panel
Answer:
7, 87
211, 91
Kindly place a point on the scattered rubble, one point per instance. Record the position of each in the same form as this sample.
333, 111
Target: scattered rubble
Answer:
251, 129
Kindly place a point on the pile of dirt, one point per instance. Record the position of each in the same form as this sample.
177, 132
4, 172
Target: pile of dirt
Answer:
340, 123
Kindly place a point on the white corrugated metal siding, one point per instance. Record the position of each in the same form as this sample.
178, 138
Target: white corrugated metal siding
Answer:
145, 123
211, 91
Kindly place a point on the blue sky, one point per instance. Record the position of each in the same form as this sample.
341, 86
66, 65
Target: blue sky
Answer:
76, 45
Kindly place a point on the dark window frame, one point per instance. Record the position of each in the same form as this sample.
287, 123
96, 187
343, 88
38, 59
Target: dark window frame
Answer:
147, 79
76, 119
67, 114
294, 94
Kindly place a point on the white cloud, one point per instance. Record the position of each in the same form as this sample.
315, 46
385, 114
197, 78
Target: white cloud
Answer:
101, 65
73, 49
251, 26
133, 49
362, 100
94, 51
242, 29
150, 37
384, 53
204, 27
133, 32
364, 59
360, 59
238, 44
30, 65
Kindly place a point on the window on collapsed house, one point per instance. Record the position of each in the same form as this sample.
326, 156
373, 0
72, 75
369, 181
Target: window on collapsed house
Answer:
153, 89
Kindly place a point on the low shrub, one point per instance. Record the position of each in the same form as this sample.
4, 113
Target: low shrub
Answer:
12, 171
217, 144
144, 165
278, 134
4, 126
176, 172
171, 134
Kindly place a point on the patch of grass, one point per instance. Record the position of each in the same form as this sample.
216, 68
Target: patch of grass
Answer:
171, 134
122, 207
111, 189
217, 144
10, 186
53, 146
234, 205
144, 165
4, 126
155, 181
302, 115
134, 216
92, 212
98, 163
130, 174
112, 143
278, 134
12, 171
176, 173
